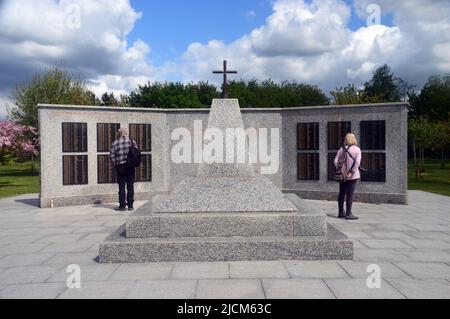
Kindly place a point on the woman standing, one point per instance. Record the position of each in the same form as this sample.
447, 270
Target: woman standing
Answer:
350, 156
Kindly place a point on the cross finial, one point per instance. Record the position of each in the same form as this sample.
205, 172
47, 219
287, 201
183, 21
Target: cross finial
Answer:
225, 72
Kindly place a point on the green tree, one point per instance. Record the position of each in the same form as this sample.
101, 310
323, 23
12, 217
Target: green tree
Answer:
441, 139
420, 134
383, 86
172, 95
349, 94
270, 94
54, 85
109, 99
433, 101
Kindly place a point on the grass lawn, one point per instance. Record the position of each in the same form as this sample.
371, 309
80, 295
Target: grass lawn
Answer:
17, 179
435, 180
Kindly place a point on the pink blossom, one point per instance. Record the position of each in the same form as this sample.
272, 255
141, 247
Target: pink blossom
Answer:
18, 139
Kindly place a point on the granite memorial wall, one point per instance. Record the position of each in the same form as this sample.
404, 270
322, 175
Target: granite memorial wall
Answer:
75, 165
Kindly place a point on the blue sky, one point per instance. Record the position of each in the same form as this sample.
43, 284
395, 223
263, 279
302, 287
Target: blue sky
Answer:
120, 44
170, 26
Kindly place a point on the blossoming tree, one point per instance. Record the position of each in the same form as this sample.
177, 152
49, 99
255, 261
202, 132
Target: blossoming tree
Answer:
17, 140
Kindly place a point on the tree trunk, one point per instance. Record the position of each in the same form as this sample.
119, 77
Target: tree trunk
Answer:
442, 159
415, 160
421, 170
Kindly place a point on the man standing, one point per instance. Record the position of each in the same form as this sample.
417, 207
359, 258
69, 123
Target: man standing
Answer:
125, 173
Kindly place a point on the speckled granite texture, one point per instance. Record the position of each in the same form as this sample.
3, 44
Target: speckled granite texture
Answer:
119, 249
226, 114
226, 213
256, 194
306, 221
195, 237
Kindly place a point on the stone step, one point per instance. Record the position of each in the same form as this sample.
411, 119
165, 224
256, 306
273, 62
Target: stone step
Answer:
225, 225
305, 221
119, 249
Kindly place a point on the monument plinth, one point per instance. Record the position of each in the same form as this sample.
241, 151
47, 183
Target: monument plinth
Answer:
226, 187
226, 213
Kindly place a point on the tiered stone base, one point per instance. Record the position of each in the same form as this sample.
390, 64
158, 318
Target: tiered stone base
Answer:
149, 236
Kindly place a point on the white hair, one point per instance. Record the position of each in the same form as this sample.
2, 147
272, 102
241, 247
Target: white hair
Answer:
123, 131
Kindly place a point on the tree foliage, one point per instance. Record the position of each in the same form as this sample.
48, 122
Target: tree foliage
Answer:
349, 94
109, 99
265, 94
269, 94
383, 87
17, 140
54, 85
433, 101
172, 95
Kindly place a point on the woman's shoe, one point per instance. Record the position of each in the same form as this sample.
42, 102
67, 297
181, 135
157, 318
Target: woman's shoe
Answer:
351, 217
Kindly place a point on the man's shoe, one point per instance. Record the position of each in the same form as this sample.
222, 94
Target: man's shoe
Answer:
342, 215
120, 209
130, 208
351, 217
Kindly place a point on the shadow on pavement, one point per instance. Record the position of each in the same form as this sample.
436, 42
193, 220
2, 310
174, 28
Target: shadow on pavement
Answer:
29, 201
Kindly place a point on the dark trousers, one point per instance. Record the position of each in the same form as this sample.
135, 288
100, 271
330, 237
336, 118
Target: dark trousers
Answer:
346, 189
125, 177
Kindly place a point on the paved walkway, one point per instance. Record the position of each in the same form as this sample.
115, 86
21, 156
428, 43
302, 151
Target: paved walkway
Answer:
411, 244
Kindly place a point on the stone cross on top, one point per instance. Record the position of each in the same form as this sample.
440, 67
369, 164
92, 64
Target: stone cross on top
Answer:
225, 72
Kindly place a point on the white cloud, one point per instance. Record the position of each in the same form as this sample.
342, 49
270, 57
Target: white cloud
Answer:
297, 28
301, 40
86, 36
310, 41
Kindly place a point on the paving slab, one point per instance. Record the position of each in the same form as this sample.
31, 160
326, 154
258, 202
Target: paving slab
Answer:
230, 289
357, 269
15, 249
88, 273
66, 238
296, 289
164, 289
425, 270
427, 255
306, 269
137, 272
27, 275
70, 247
24, 260
384, 243
23, 267
422, 289
262, 269
390, 234
200, 271
428, 243
378, 255
99, 290
358, 289
93, 229
56, 231
19, 239
33, 291
66, 259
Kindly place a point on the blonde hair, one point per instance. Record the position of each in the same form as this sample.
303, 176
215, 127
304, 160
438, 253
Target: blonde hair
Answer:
123, 132
350, 139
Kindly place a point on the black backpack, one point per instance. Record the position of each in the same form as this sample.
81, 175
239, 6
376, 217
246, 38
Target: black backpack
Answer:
133, 157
